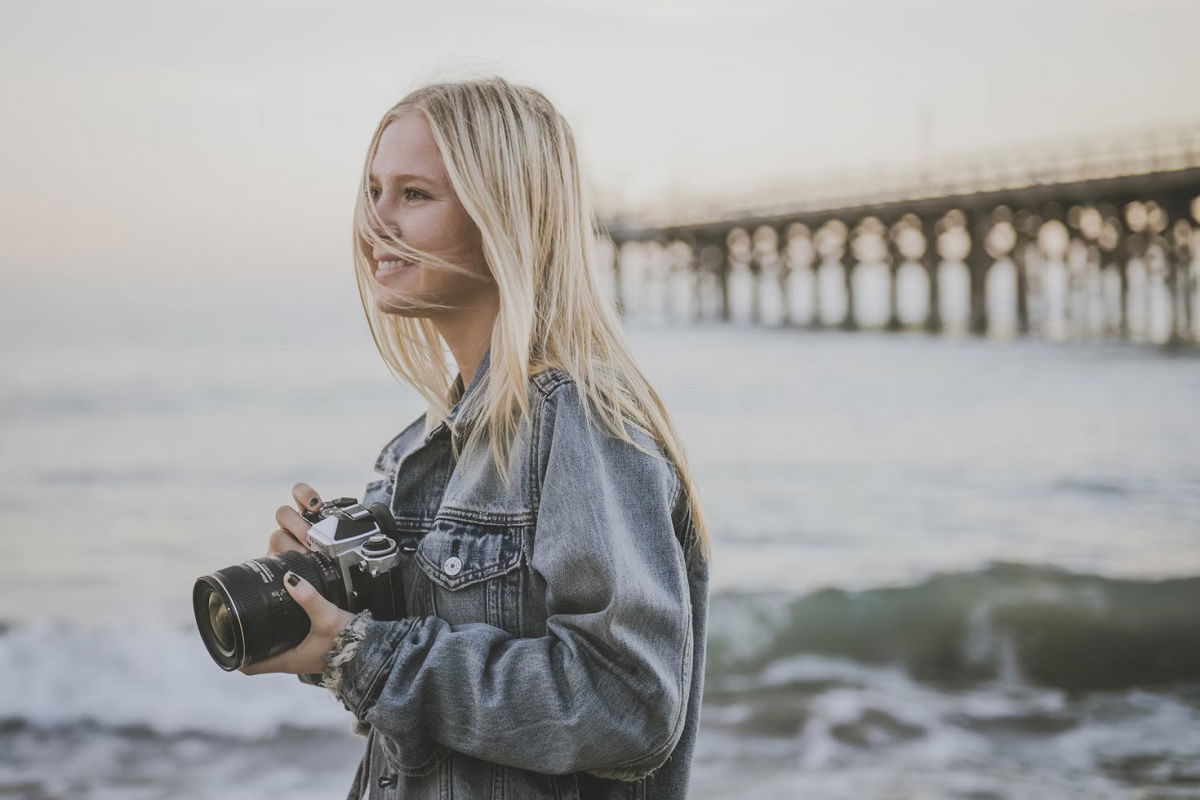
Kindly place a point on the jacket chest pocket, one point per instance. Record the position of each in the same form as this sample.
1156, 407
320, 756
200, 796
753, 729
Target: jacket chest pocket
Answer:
473, 572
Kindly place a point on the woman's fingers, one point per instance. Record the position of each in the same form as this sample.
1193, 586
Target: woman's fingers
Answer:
293, 528
281, 541
325, 619
290, 520
306, 497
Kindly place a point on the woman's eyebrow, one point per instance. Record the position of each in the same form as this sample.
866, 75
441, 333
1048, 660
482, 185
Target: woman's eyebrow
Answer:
403, 177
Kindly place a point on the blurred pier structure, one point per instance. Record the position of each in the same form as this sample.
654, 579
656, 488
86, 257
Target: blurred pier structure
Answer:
1075, 239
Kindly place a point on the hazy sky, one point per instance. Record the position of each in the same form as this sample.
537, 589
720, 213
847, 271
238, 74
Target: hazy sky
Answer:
154, 138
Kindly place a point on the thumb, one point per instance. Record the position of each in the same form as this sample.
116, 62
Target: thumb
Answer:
319, 609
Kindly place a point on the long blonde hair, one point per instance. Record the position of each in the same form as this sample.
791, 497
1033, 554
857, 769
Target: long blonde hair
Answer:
511, 159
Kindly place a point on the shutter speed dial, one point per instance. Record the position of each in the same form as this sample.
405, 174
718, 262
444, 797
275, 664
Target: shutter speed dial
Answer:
378, 554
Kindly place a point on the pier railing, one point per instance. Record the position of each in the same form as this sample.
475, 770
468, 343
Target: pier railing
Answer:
1086, 237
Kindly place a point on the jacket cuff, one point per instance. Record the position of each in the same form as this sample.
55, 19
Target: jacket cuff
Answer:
360, 657
342, 652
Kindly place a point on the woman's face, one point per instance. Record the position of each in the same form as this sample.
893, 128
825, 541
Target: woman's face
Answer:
414, 199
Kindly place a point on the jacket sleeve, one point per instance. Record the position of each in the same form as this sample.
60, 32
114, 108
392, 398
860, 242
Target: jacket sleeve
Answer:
606, 689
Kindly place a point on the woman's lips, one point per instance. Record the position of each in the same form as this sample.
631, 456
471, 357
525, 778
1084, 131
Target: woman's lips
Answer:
388, 267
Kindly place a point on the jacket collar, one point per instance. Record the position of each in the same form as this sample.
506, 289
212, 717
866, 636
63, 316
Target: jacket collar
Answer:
459, 409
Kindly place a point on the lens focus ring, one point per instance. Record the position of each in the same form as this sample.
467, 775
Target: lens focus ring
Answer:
257, 616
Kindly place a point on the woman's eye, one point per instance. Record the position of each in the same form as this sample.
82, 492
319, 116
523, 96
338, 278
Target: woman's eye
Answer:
409, 194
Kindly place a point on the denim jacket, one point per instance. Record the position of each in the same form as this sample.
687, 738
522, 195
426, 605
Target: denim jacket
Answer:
555, 648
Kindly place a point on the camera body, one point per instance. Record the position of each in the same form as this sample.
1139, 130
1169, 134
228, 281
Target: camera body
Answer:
363, 545
244, 613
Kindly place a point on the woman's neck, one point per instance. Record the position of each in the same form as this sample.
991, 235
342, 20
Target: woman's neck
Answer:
468, 333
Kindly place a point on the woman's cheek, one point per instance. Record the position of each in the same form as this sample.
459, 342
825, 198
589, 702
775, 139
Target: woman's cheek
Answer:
433, 236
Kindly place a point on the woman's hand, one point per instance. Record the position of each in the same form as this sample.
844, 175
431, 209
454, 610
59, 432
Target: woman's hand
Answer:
309, 656
325, 618
293, 528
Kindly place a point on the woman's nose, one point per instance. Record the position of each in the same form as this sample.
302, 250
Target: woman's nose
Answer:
379, 223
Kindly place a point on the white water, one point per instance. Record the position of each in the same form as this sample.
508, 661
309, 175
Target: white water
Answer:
149, 436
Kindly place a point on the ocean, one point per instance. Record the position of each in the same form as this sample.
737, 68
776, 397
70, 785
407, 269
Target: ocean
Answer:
943, 567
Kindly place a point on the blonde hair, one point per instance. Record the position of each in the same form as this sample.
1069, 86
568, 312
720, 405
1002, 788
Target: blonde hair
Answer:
511, 159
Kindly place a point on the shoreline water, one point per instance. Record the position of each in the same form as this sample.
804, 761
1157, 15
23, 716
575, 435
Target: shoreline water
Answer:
942, 568
1007, 677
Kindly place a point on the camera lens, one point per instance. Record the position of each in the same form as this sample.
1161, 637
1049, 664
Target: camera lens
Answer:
244, 613
219, 621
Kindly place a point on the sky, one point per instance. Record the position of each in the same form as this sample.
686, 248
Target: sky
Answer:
153, 139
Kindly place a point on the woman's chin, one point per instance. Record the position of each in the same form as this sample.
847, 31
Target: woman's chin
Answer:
395, 305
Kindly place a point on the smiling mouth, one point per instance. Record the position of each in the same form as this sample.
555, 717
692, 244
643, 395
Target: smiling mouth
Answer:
387, 267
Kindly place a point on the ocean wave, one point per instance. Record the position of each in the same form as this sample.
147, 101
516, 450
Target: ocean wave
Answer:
1032, 624
137, 679
1037, 633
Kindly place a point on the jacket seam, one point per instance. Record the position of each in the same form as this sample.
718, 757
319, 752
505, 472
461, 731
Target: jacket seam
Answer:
535, 452
487, 518
466, 578
439, 753
562, 380
557, 379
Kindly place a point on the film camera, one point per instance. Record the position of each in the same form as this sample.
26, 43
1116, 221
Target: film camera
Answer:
244, 613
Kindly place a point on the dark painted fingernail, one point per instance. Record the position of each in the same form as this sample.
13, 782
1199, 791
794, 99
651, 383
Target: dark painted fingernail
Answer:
316, 501
293, 578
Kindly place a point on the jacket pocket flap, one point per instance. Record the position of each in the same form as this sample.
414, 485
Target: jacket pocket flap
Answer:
455, 554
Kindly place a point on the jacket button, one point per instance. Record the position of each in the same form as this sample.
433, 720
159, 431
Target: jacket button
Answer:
452, 565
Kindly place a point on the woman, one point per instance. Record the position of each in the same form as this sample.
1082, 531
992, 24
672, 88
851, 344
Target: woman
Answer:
558, 592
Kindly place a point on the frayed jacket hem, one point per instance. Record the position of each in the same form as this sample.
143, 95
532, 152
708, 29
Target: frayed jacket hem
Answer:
344, 648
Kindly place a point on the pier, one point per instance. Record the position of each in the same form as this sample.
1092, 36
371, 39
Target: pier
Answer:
1077, 239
